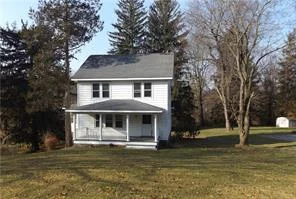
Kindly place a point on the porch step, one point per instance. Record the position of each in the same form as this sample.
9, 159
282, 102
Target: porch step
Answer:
139, 145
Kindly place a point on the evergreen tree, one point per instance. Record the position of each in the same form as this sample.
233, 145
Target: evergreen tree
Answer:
287, 78
167, 34
74, 23
165, 27
15, 65
183, 109
46, 83
128, 38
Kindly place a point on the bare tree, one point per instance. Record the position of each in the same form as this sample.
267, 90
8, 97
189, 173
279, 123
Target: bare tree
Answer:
199, 68
247, 24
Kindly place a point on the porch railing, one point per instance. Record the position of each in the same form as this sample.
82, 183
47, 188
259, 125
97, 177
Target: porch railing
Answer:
94, 134
87, 133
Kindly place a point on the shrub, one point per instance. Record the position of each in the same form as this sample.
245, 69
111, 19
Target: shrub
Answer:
50, 141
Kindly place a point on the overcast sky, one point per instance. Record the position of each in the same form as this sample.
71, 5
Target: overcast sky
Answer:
15, 10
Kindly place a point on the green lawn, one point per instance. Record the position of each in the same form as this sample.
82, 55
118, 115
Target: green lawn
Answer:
207, 167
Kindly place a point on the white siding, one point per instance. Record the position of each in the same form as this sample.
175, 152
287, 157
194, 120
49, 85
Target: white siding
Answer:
161, 97
135, 125
121, 90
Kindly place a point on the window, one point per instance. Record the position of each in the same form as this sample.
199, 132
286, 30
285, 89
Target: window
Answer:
97, 120
96, 90
147, 89
118, 121
147, 119
109, 121
105, 90
137, 89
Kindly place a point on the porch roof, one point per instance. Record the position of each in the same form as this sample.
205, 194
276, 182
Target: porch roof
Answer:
117, 106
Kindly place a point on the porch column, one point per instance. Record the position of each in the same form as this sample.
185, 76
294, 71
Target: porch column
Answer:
101, 134
127, 128
155, 128
74, 130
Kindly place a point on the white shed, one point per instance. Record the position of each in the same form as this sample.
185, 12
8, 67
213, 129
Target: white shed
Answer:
285, 122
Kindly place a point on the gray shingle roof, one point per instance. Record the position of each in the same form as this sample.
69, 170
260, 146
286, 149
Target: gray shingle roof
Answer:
117, 106
126, 66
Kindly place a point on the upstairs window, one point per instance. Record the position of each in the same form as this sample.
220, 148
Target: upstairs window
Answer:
137, 89
147, 90
96, 90
106, 92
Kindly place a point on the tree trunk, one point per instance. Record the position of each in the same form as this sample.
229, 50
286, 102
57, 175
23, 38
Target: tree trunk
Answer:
226, 116
68, 133
225, 108
244, 133
201, 107
244, 118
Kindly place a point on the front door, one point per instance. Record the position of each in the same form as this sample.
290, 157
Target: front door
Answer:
146, 125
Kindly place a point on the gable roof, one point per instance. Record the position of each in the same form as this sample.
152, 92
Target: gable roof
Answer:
130, 106
96, 67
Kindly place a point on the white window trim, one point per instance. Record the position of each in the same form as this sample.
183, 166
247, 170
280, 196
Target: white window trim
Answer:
92, 90
144, 90
133, 94
101, 90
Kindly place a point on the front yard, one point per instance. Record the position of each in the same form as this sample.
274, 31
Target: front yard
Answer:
209, 167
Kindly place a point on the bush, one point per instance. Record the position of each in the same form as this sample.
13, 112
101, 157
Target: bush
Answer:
50, 141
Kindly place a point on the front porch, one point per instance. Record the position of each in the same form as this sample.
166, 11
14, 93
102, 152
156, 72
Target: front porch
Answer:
101, 125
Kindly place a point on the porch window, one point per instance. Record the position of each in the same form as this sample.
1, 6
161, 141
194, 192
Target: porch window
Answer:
137, 89
147, 119
97, 120
96, 90
109, 121
147, 89
106, 91
118, 121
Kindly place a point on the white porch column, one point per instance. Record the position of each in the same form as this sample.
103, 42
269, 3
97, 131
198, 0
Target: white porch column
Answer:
127, 128
155, 128
101, 133
74, 130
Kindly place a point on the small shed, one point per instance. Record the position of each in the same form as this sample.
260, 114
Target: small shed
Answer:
285, 122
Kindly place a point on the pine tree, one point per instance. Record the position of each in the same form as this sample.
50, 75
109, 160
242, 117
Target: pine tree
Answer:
74, 22
15, 65
45, 83
128, 38
165, 27
287, 78
183, 109
167, 34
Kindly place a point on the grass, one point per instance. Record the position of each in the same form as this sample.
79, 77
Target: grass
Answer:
207, 167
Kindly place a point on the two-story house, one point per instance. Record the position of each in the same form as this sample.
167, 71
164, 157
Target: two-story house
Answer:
123, 100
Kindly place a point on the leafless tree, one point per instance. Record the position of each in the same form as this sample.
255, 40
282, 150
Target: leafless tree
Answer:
199, 68
248, 25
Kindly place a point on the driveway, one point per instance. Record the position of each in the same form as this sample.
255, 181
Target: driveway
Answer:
285, 137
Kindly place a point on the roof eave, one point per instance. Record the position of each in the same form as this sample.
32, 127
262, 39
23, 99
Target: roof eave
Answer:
121, 79
111, 111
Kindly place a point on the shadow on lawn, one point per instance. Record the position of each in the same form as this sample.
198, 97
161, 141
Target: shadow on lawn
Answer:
226, 141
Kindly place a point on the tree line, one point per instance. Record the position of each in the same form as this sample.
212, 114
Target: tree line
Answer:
226, 69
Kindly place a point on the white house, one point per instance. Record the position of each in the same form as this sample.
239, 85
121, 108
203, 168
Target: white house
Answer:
285, 122
123, 100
